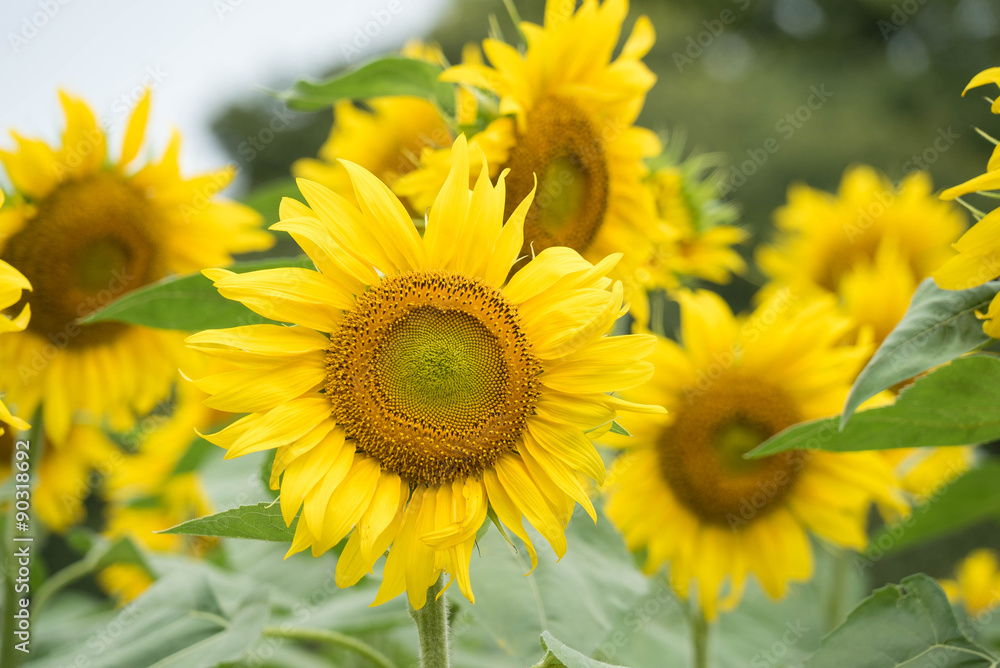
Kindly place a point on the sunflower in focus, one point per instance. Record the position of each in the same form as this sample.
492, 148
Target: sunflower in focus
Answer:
385, 136
682, 489
567, 112
418, 386
84, 232
870, 244
978, 259
977, 583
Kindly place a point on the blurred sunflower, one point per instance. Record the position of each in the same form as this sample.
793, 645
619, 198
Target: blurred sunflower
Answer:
419, 386
385, 136
978, 259
694, 235
870, 244
977, 583
146, 492
12, 284
684, 492
84, 232
567, 113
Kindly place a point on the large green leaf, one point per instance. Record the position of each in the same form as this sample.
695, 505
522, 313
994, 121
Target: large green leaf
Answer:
968, 500
655, 631
579, 599
910, 624
177, 623
957, 404
262, 521
558, 654
188, 303
939, 325
389, 75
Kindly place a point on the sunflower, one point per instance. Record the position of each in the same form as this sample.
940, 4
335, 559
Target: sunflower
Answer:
385, 136
977, 583
693, 238
978, 259
683, 491
85, 232
567, 118
12, 284
418, 386
872, 232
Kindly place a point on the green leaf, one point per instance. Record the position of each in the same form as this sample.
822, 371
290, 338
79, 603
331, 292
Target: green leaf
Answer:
956, 404
910, 624
390, 75
618, 429
939, 326
266, 199
259, 522
558, 654
968, 500
177, 623
579, 599
188, 302
198, 451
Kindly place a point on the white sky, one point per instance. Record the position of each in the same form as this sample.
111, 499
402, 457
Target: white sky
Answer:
204, 53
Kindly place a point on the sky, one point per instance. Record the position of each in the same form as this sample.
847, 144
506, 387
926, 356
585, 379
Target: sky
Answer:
196, 55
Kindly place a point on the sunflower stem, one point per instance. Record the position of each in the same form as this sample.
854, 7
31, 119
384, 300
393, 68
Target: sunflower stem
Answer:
835, 604
432, 627
332, 638
699, 637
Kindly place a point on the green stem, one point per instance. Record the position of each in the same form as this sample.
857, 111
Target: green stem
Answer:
60, 579
432, 627
332, 638
699, 637
835, 603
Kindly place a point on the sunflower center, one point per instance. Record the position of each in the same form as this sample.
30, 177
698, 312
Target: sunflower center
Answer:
441, 367
432, 375
89, 242
562, 148
701, 452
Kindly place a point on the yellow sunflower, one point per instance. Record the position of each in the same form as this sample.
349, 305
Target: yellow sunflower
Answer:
977, 583
419, 386
978, 259
146, 494
84, 232
567, 110
682, 490
66, 477
12, 284
693, 237
871, 233
386, 136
